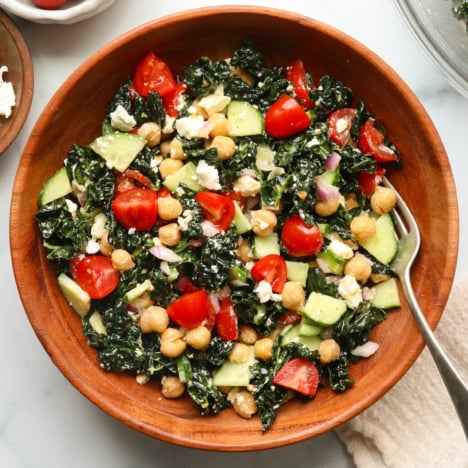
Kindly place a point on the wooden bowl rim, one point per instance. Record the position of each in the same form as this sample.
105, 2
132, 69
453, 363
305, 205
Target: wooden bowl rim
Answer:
198, 438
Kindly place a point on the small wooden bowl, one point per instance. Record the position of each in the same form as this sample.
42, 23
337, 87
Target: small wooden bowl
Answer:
74, 115
14, 53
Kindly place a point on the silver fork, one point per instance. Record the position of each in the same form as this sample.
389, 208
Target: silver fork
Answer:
408, 247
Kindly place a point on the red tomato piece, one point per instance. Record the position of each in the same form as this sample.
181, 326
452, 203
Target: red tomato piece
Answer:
189, 310
368, 181
296, 74
136, 208
126, 180
153, 75
339, 125
300, 375
49, 4
172, 100
300, 239
184, 285
371, 140
218, 209
226, 321
96, 275
290, 317
285, 118
271, 268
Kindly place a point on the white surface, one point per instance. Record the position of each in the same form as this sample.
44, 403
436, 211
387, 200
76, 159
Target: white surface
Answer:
72, 12
44, 421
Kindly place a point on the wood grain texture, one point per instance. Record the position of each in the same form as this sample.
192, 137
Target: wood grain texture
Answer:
14, 53
74, 115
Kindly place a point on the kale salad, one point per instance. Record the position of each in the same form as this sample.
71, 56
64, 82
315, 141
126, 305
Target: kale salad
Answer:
227, 235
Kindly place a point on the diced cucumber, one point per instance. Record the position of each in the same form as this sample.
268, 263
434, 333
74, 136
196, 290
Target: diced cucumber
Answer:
308, 329
265, 245
240, 220
385, 294
138, 290
265, 160
383, 244
323, 310
293, 335
187, 175
325, 229
77, 297
233, 374
297, 271
55, 187
118, 149
329, 262
244, 119
95, 320
330, 177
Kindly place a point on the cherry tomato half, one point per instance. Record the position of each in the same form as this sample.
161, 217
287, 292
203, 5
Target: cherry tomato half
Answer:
300, 375
371, 140
226, 321
300, 239
339, 125
129, 179
297, 75
172, 100
271, 268
218, 209
189, 310
136, 208
49, 4
368, 181
285, 118
153, 75
96, 275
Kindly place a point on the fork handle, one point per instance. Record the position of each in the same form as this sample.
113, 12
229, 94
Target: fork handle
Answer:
457, 389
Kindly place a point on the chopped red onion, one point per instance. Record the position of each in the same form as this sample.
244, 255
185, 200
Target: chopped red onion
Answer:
214, 299
164, 253
365, 350
325, 190
332, 162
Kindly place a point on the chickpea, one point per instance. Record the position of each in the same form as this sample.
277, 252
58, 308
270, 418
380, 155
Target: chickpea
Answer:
379, 277
329, 351
359, 267
172, 342
240, 353
169, 208
104, 247
172, 386
122, 260
169, 234
154, 319
293, 295
142, 302
165, 148
247, 334
198, 337
242, 402
244, 251
220, 125
176, 151
263, 222
351, 201
327, 208
383, 200
263, 349
151, 132
363, 227
225, 146
168, 166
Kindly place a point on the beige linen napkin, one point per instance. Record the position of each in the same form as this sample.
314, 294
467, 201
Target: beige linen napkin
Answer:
415, 424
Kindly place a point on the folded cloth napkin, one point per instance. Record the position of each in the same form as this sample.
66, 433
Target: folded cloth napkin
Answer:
415, 424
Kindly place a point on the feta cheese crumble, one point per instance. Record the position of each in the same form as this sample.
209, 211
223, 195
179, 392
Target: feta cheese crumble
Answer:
122, 120
7, 94
350, 291
208, 176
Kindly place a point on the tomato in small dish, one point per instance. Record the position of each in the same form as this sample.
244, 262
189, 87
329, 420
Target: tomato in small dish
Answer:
299, 375
286, 117
226, 321
49, 4
153, 75
300, 239
136, 208
297, 75
371, 140
189, 310
339, 125
271, 268
218, 209
96, 275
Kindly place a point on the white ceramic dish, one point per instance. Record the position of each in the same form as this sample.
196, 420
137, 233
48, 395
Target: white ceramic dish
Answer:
442, 36
72, 12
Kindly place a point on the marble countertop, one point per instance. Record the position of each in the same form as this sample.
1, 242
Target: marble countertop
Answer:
44, 420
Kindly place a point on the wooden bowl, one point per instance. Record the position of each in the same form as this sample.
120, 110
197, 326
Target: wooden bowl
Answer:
74, 115
14, 53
